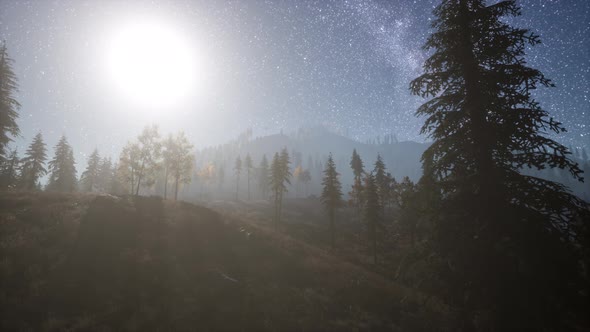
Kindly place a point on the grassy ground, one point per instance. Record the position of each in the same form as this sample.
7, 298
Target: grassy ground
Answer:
84, 262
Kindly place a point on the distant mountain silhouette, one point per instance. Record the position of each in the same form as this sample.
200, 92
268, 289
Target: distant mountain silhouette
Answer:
401, 158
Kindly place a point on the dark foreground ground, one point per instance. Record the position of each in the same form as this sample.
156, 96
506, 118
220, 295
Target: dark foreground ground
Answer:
104, 263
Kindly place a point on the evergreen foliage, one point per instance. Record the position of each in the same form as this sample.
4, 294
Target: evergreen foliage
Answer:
62, 168
382, 180
356, 193
486, 128
280, 176
356, 163
9, 171
331, 195
89, 181
372, 212
33, 163
9, 106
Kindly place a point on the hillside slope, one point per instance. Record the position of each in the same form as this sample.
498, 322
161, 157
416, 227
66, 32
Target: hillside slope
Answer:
84, 262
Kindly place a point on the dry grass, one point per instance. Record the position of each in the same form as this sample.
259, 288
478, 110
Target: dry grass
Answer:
85, 262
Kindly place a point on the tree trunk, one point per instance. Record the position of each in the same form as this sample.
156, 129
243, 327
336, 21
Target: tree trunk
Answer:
132, 183
281, 207
139, 178
276, 212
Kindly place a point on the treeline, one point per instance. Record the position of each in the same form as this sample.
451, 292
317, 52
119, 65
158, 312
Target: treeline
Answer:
506, 247
143, 163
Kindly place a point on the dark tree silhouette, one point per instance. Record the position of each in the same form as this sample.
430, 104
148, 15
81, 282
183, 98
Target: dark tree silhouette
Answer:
408, 202
356, 193
382, 180
62, 168
9, 171
486, 128
331, 195
90, 177
373, 211
105, 176
356, 163
9, 106
33, 164
280, 176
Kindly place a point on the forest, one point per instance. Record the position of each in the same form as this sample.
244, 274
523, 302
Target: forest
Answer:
483, 227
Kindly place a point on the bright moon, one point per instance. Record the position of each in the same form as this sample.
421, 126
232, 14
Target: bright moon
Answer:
151, 64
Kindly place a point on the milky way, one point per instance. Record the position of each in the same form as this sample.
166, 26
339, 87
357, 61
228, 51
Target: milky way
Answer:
271, 65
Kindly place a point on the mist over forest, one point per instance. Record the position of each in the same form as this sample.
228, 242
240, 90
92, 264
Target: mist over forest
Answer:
463, 204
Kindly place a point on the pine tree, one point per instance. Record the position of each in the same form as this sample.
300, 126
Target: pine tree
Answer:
279, 178
382, 180
407, 200
62, 169
356, 163
331, 195
285, 168
276, 184
372, 211
89, 181
356, 193
249, 166
263, 176
9, 106
9, 171
237, 171
33, 164
105, 176
486, 127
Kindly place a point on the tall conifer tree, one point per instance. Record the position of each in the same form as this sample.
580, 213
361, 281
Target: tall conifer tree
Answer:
372, 211
9, 171
331, 195
33, 164
62, 169
508, 238
9, 106
89, 180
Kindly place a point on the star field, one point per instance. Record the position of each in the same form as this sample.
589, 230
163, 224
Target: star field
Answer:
269, 65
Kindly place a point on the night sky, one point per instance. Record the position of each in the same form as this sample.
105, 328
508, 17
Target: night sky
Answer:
269, 65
